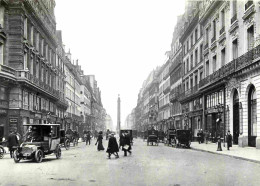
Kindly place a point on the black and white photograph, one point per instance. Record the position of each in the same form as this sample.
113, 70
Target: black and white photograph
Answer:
129, 92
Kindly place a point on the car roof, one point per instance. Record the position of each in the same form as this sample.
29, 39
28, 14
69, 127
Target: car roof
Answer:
41, 124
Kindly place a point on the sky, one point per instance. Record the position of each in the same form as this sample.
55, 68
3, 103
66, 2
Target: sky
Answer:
118, 41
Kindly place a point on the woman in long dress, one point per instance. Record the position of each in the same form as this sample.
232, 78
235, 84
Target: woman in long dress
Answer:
99, 142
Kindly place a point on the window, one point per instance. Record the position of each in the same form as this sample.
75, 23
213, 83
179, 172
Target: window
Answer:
37, 69
223, 18
207, 35
214, 63
42, 47
234, 6
191, 40
42, 74
31, 66
37, 41
32, 29
1, 54
191, 82
191, 61
25, 63
250, 37
3, 95
201, 75
196, 35
188, 47
223, 57
234, 49
196, 57
207, 68
25, 27
196, 80
214, 30
188, 65
201, 52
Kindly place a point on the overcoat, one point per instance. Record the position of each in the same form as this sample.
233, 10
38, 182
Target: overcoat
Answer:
229, 140
12, 140
112, 145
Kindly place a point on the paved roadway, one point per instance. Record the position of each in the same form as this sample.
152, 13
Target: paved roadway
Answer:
152, 165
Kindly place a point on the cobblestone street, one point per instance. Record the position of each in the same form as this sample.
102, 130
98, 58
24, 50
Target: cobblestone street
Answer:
148, 165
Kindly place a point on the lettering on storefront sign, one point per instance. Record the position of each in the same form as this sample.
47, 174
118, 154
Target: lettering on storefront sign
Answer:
13, 122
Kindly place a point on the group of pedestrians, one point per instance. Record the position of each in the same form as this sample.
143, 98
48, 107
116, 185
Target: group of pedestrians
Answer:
204, 136
113, 147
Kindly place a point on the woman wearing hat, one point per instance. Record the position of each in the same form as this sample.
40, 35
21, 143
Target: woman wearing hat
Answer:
112, 147
99, 141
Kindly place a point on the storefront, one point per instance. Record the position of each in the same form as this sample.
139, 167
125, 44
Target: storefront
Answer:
214, 114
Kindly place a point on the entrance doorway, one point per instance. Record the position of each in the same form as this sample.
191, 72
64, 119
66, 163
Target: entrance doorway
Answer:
252, 117
235, 117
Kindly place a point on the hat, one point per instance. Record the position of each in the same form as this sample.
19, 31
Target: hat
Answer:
112, 134
100, 132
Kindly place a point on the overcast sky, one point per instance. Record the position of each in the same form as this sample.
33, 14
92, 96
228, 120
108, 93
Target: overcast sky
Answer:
119, 41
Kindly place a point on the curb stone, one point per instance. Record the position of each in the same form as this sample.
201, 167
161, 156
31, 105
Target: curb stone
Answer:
232, 156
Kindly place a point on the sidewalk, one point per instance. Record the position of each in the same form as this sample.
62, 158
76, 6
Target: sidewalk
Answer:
245, 153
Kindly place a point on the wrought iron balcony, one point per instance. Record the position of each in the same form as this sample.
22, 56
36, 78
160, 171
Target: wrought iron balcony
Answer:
233, 66
233, 19
222, 30
206, 46
213, 39
248, 4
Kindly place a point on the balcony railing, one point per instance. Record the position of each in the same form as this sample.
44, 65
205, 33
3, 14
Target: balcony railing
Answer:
231, 67
7, 69
222, 30
213, 39
234, 18
248, 4
206, 46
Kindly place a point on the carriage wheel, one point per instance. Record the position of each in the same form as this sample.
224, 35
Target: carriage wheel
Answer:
38, 156
67, 144
15, 155
58, 152
2, 151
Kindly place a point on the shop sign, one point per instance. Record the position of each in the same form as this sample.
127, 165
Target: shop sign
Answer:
13, 122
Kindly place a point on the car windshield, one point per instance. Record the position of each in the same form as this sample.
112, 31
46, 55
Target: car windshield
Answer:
32, 134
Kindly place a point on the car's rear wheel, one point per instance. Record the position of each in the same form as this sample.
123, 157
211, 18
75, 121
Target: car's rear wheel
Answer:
58, 152
16, 156
2, 151
67, 144
38, 156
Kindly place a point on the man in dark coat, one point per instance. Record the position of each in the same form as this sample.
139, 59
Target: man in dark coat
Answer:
229, 140
88, 138
112, 147
126, 143
12, 142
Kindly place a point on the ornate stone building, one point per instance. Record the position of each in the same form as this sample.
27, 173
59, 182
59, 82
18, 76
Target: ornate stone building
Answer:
29, 68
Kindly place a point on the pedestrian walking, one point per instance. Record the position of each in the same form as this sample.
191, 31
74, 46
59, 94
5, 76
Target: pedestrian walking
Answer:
12, 142
112, 147
229, 140
88, 138
206, 136
99, 141
125, 142
199, 136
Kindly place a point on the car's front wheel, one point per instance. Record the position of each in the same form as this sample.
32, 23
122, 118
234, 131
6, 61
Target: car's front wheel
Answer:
67, 144
58, 152
38, 156
16, 156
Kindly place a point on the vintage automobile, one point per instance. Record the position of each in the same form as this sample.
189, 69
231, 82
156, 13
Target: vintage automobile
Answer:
170, 137
152, 137
183, 138
2, 150
40, 140
64, 141
130, 132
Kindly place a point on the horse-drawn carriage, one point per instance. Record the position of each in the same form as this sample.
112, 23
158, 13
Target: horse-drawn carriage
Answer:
152, 137
161, 136
170, 137
183, 138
